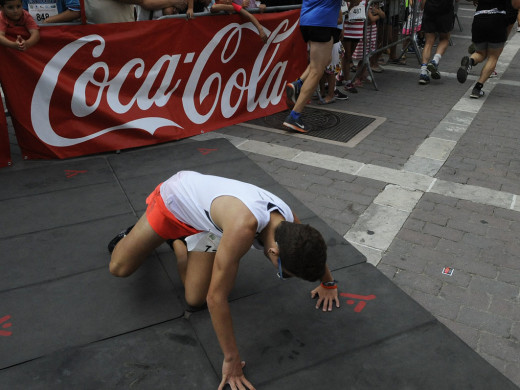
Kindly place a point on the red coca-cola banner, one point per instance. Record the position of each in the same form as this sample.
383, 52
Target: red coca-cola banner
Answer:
5, 151
94, 88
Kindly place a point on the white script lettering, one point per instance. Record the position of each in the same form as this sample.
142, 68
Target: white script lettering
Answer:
96, 78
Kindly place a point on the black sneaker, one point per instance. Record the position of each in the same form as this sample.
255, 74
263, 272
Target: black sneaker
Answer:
434, 71
112, 244
296, 125
476, 93
465, 67
340, 95
293, 91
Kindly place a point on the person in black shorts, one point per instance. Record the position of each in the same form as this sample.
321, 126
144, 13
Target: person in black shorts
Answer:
489, 34
438, 18
318, 22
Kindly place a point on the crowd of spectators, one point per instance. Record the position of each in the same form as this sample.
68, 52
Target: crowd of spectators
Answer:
20, 20
383, 24
115, 11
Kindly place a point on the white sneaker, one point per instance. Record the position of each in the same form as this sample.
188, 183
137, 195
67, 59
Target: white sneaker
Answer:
493, 74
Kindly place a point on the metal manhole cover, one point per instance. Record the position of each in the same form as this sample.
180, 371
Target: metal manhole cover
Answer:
331, 125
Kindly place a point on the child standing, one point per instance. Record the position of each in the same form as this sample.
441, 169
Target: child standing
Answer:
18, 30
352, 33
374, 14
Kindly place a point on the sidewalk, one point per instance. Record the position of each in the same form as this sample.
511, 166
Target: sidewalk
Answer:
435, 185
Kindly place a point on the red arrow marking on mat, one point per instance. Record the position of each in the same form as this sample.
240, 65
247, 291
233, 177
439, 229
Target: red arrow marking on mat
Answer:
71, 173
205, 151
6, 325
361, 298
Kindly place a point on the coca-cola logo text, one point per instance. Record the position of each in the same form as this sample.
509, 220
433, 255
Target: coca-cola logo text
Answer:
259, 83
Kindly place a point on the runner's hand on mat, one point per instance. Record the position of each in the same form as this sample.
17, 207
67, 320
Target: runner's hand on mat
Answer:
232, 374
325, 296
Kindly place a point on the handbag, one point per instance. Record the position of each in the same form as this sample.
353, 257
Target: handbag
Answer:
357, 13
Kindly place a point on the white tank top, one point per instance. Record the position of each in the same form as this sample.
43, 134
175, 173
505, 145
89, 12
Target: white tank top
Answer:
188, 195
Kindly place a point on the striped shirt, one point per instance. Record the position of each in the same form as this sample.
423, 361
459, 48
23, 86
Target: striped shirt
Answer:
354, 29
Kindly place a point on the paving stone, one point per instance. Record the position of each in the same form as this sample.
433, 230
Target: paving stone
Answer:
467, 226
442, 232
506, 308
414, 224
477, 299
515, 331
492, 221
458, 249
331, 203
468, 334
507, 214
399, 198
515, 226
401, 246
459, 277
404, 262
341, 195
452, 212
377, 226
429, 255
500, 347
485, 321
508, 275
501, 257
425, 204
413, 281
440, 199
494, 287
340, 176
502, 235
437, 305
430, 216
513, 248
512, 371
388, 270
498, 363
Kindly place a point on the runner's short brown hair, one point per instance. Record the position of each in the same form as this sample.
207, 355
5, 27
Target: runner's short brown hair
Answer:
303, 251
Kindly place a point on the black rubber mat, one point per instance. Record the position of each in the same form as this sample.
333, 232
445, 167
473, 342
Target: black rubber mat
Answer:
331, 125
66, 323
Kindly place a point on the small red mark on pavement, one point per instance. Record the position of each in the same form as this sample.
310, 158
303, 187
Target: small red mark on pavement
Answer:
72, 172
206, 151
361, 300
447, 271
6, 325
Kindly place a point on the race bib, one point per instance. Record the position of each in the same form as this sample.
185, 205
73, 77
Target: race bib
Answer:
42, 11
202, 242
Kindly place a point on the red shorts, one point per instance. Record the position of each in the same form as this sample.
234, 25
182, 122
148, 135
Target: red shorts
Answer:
162, 221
